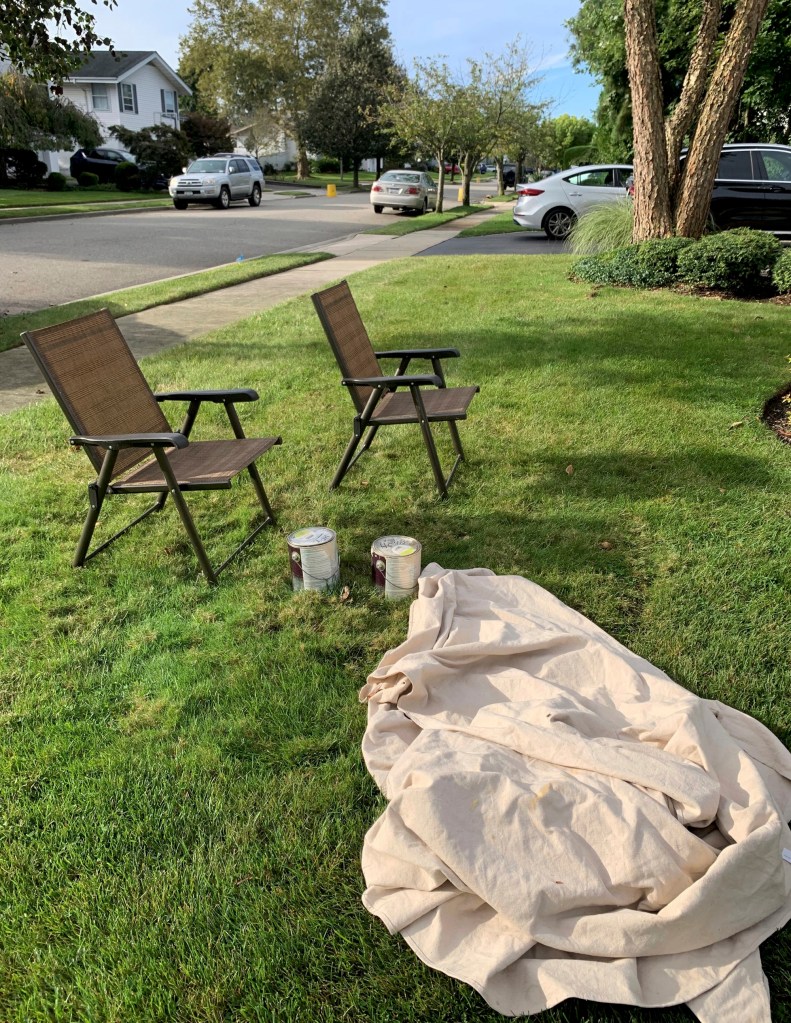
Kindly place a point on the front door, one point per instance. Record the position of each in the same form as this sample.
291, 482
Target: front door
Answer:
777, 203
738, 196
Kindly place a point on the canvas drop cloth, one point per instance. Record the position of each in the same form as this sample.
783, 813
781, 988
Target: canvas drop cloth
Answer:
563, 819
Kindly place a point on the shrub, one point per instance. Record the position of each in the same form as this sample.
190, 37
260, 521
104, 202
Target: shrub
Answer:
603, 228
127, 177
738, 261
325, 165
269, 170
56, 182
21, 166
88, 179
650, 264
782, 273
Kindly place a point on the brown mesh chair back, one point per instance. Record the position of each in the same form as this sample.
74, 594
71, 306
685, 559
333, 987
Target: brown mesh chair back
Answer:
348, 337
93, 374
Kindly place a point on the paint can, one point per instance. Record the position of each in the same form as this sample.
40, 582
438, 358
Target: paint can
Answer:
313, 553
395, 565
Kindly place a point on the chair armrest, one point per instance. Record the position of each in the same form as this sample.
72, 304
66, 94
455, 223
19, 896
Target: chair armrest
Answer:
132, 440
220, 397
420, 353
426, 380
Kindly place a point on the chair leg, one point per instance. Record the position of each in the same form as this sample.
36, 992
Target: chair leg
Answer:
346, 461
255, 476
454, 434
96, 492
186, 517
369, 439
431, 447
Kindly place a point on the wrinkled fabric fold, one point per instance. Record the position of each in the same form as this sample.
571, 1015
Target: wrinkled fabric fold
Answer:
563, 819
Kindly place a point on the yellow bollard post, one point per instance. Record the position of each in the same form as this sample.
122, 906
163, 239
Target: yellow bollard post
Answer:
461, 195
330, 191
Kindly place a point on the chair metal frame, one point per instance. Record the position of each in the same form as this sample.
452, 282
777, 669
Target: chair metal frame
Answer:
372, 395
104, 449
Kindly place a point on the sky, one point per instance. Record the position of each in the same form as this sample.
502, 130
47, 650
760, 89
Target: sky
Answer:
455, 30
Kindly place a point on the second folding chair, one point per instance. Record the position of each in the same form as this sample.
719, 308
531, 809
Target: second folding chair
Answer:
389, 400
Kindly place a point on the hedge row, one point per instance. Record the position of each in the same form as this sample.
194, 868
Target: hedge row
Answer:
741, 262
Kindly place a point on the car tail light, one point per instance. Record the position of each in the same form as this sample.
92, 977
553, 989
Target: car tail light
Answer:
412, 190
531, 191
377, 188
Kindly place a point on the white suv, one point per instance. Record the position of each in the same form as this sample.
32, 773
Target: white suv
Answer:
219, 180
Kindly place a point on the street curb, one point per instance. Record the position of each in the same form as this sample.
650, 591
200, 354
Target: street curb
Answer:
76, 215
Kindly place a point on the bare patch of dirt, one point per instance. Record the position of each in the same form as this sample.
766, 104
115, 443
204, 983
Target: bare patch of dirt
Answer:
777, 414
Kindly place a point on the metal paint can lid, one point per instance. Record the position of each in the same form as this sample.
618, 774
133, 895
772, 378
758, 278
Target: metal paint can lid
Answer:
396, 546
310, 536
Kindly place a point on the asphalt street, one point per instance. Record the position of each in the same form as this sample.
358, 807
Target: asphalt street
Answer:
61, 259
522, 243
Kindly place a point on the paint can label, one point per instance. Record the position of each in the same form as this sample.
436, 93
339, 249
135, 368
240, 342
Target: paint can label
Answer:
314, 560
395, 565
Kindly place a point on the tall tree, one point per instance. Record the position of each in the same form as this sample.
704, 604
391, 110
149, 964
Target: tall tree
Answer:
31, 118
421, 115
271, 55
598, 45
46, 39
667, 200
342, 119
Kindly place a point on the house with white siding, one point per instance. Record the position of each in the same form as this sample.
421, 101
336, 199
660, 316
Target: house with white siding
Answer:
136, 89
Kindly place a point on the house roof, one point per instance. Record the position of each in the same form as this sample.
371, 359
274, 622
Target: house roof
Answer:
102, 66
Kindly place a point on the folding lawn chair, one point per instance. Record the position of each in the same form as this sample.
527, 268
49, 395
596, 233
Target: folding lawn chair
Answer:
376, 396
117, 419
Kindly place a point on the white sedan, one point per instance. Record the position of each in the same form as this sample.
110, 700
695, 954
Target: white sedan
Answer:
404, 190
553, 204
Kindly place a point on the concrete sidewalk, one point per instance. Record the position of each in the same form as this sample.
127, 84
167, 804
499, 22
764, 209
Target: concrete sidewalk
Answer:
164, 326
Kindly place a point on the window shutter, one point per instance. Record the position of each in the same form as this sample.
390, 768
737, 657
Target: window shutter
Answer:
162, 99
134, 97
120, 99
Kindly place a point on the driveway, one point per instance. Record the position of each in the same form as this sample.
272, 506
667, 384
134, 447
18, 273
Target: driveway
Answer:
522, 243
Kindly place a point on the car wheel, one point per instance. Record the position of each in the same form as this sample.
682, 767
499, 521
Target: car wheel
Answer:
378, 209
558, 223
225, 199
179, 204
425, 207
254, 198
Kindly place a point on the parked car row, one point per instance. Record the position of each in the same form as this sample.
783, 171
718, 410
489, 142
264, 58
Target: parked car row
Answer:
752, 189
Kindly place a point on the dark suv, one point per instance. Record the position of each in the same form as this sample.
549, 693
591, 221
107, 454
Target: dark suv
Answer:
101, 162
753, 187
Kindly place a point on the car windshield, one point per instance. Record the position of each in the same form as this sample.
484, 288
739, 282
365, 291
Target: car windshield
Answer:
405, 177
206, 167
126, 156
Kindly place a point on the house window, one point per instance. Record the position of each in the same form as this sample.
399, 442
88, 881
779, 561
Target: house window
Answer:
169, 102
101, 101
127, 98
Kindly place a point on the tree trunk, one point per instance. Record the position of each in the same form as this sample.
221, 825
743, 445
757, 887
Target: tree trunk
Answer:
440, 158
356, 172
693, 90
303, 164
652, 216
467, 169
498, 160
700, 171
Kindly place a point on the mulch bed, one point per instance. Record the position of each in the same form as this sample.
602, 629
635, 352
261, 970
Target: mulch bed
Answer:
777, 414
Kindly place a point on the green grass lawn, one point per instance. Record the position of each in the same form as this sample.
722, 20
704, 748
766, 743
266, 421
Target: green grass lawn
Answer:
146, 296
183, 795
16, 203
501, 223
406, 223
322, 180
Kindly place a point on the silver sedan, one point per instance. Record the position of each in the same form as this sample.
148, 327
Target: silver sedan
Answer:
404, 190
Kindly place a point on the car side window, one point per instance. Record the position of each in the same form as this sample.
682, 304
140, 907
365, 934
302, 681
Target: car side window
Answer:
602, 178
777, 164
736, 165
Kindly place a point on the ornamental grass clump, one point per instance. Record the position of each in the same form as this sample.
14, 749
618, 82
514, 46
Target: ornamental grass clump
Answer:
739, 261
603, 228
781, 275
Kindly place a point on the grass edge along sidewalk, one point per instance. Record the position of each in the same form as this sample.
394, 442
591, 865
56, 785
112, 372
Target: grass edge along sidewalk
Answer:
183, 795
406, 225
146, 296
